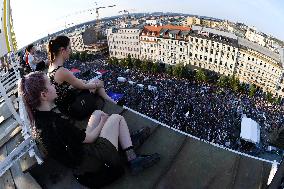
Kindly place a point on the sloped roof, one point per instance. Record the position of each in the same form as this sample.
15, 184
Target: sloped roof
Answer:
174, 31
186, 162
170, 27
251, 45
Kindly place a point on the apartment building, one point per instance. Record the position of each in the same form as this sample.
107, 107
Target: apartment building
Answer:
153, 22
192, 20
124, 41
219, 51
260, 66
214, 52
255, 36
76, 40
173, 46
164, 43
202, 21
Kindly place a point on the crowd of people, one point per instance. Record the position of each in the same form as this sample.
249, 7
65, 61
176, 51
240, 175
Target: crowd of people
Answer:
207, 111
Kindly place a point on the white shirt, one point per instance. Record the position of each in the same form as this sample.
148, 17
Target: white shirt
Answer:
31, 61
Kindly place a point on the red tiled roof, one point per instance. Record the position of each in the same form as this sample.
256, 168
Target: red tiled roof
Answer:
170, 27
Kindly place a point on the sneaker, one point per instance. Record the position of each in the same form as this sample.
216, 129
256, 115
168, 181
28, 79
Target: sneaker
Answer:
142, 162
140, 136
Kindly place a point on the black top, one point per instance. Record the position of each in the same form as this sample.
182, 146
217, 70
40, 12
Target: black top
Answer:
62, 140
66, 94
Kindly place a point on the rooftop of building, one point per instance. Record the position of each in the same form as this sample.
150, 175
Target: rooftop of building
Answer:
169, 27
254, 46
186, 162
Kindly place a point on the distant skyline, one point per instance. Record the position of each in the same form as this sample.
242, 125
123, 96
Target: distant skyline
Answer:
34, 19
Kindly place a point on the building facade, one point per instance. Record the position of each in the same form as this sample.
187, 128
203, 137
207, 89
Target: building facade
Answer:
123, 42
254, 36
76, 40
216, 53
214, 50
153, 22
260, 66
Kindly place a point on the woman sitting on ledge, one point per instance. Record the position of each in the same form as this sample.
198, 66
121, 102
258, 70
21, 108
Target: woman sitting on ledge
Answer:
93, 153
59, 51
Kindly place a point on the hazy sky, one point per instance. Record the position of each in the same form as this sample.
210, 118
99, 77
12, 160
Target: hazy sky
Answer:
33, 19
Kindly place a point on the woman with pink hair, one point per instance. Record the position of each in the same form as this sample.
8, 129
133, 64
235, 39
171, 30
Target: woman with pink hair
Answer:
92, 153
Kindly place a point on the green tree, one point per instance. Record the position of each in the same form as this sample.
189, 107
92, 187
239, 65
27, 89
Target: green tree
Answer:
212, 76
83, 56
169, 70
223, 81
113, 61
242, 87
162, 67
201, 76
177, 70
74, 56
252, 90
123, 62
129, 62
184, 71
234, 83
278, 101
137, 63
146, 65
155, 68
269, 97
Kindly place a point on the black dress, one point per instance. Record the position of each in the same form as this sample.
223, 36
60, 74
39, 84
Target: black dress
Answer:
78, 104
66, 95
94, 165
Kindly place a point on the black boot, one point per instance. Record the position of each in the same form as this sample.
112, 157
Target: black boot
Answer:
142, 162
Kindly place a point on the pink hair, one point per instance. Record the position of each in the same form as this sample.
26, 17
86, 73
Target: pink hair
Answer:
30, 88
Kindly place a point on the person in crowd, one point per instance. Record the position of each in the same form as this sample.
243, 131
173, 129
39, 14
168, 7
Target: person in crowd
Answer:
34, 63
91, 153
4, 63
59, 50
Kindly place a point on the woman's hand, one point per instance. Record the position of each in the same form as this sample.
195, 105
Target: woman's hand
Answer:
104, 118
98, 83
93, 90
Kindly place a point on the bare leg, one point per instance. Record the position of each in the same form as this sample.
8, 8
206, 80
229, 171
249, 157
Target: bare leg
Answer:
124, 135
110, 130
94, 120
103, 94
115, 129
